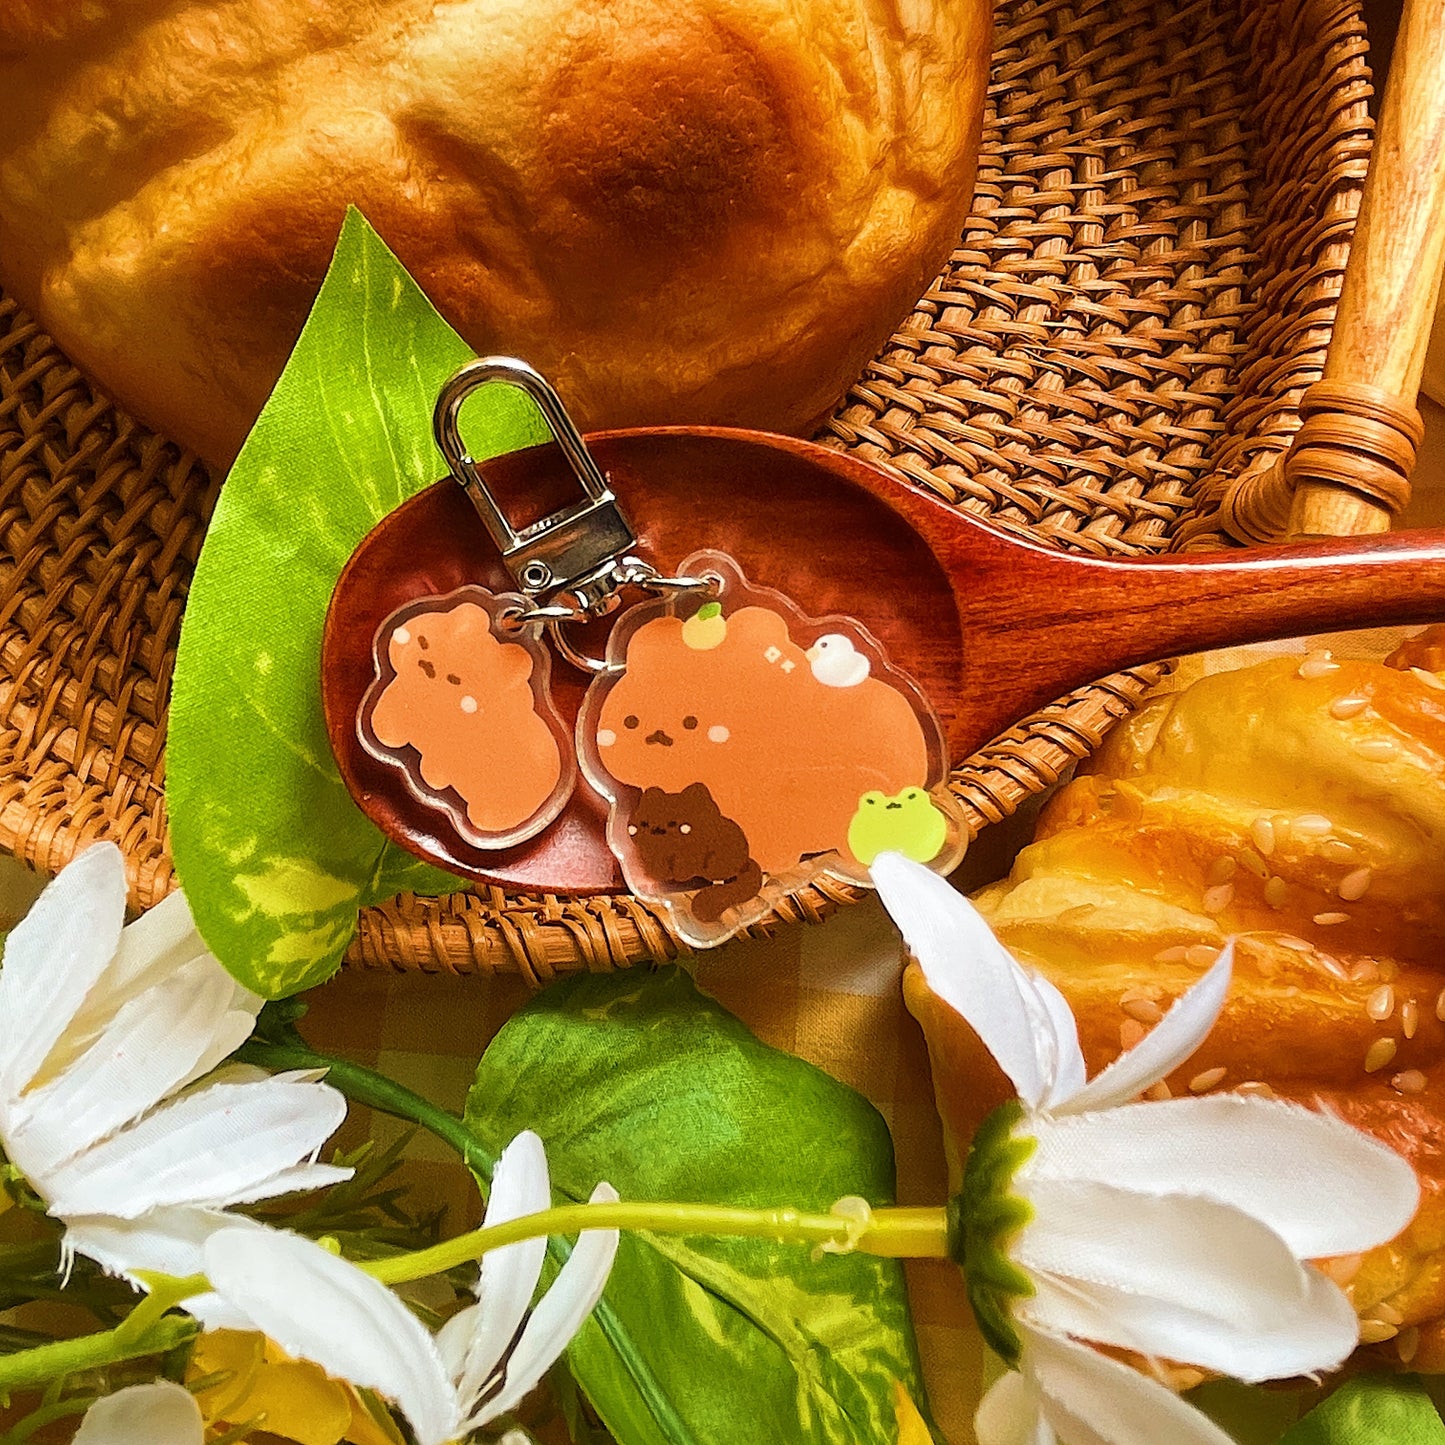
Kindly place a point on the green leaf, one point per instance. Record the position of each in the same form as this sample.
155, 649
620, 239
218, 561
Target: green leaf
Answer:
641, 1080
274, 856
1373, 1410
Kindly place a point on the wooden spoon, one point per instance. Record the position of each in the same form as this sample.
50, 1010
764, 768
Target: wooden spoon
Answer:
991, 626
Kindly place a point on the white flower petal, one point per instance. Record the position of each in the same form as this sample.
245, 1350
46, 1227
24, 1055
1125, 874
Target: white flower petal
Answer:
211, 1146
1090, 1399
152, 950
1321, 1185
454, 1340
1211, 1256
1165, 1047
1184, 1278
156, 1414
148, 1050
230, 1031
1009, 1414
558, 1316
245, 1074
520, 1186
972, 972
1069, 1069
53, 958
318, 1307
303, 1179
1320, 1336
165, 1241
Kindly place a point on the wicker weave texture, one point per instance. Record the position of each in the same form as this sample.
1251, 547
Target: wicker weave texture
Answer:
1145, 287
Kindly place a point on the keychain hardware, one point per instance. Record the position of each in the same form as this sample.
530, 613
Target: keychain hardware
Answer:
582, 550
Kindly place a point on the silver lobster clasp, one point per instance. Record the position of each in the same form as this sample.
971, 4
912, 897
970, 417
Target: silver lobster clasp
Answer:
581, 550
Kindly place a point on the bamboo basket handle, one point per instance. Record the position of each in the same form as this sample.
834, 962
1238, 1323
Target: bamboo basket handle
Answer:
1348, 469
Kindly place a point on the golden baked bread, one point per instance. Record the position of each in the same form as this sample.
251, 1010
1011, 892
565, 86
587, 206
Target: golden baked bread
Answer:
679, 210
1301, 807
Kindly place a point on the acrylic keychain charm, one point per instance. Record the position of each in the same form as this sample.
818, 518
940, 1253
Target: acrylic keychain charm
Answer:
460, 704
747, 749
742, 748
460, 701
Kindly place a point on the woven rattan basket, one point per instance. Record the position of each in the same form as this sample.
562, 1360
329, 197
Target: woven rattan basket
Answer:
1145, 287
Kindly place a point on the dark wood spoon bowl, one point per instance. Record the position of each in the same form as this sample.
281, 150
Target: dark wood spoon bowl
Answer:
990, 626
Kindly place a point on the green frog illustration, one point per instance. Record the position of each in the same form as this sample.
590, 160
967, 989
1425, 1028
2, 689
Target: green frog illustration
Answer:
907, 823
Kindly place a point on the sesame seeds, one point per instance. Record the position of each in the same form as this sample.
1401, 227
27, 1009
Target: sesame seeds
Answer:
1407, 1344
1365, 971
1316, 664
1351, 705
1380, 1053
1312, 825
1262, 832
1430, 679
1329, 920
1201, 955
1354, 885
1409, 1018
1295, 945
1217, 899
1276, 891
1381, 1003
1131, 1031
1222, 870
1202, 1083
1377, 750
1177, 954
1376, 1332
1143, 1009
1255, 1089
1412, 1081
1253, 863
1158, 1093
1333, 850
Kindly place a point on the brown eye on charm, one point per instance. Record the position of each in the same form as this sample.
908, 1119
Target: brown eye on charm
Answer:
630, 721
689, 722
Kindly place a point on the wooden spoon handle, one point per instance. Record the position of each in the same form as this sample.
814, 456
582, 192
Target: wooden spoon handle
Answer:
1039, 623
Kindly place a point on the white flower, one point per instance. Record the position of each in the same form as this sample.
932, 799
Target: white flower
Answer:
321, 1308
157, 1414
1176, 1230
104, 1031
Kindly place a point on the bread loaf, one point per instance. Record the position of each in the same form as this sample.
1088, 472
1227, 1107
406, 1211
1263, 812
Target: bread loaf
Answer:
679, 210
1300, 808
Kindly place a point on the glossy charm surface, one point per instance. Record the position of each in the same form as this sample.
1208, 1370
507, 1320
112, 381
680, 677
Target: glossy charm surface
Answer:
746, 749
460, 704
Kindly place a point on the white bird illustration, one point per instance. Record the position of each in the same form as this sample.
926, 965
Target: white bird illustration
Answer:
836, 662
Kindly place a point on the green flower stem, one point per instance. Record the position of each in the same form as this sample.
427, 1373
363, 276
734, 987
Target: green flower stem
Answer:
31, 1369
365, 1086
892, 1232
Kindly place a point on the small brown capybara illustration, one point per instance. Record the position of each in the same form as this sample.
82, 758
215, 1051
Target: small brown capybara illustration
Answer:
684, 842
735, 704
463, 700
